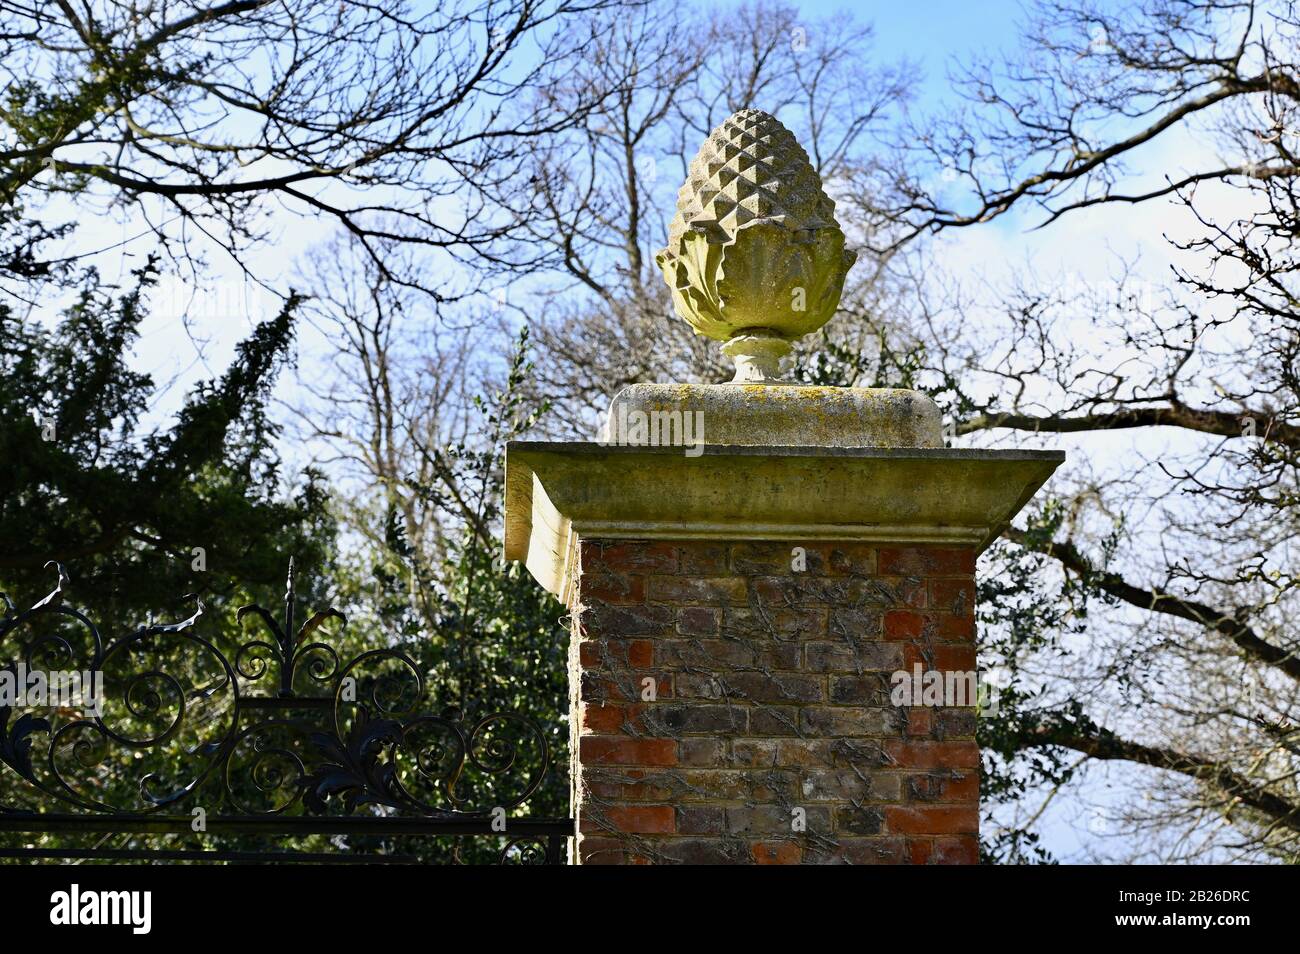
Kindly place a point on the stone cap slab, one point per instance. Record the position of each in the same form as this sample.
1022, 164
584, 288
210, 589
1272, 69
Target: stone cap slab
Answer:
769, 415
557, 492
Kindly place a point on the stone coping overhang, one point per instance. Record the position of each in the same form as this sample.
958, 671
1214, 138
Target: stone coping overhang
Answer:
558, 492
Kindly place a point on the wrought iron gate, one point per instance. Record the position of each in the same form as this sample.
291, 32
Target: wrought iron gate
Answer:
184, 745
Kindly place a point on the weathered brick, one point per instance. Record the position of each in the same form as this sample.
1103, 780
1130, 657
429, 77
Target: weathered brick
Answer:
718, 720
805, 753
605, 585
953, 596
751, 686
955, 723
774, 720
774, 623
731, 785
927, 561
871, 689
615, 784
602, 719
871, 851
754, 753
849, 785
701, 751
918, 720
698, 621
853, 559
632, 557
702, 851
772, 692
640, 653
856, 624
701, 820
954, 628
956, 850
952, 658
860, 820
703, 559
852, 657
710, 591
843, 720
946, 787
767, 559
605, 851
633, 819
605, 686
774, 819
603, 620
707, 653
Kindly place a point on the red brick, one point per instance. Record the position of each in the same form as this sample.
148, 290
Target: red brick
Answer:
589, 654
602, 719
853, 559
604, 851
959, 850
776, 853
632, 819
904, 624
945, 788
932, 820
609, 587
603, 750
934, 755
919, 721
953, 658
640, 653
953, 596
948, 626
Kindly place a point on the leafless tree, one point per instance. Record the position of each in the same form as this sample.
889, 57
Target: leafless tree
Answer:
1176, 522
385, 118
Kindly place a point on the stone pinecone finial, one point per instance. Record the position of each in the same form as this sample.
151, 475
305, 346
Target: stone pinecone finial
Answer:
755, 257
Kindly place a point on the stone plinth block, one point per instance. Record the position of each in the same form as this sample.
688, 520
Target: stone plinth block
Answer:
772, 415
557, 493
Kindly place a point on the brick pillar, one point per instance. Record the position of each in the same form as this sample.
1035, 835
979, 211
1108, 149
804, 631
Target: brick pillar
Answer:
739, 614
769, 736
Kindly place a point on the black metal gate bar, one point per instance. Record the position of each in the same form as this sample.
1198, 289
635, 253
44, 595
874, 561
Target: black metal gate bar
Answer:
368, 759
294, 825
165, 854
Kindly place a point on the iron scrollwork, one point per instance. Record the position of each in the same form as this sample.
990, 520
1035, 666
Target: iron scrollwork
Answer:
181, 723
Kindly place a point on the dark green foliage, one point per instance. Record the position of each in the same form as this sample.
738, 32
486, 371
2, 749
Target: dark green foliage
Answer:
122, 504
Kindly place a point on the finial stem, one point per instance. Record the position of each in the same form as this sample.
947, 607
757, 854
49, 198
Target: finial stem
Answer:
757, 356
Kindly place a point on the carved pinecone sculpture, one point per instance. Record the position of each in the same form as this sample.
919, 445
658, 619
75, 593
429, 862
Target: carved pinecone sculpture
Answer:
754, 249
